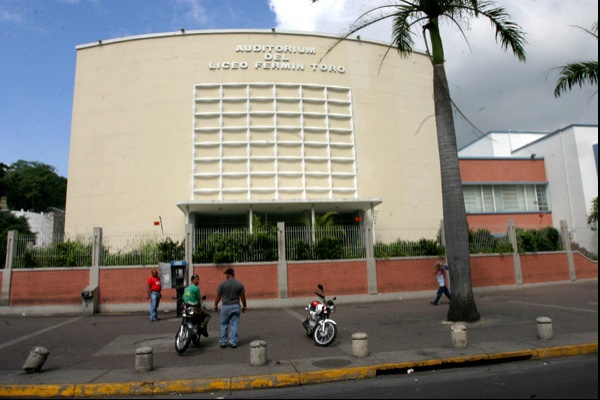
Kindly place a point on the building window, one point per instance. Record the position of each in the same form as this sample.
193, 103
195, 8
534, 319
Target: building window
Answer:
263, 141
505, 198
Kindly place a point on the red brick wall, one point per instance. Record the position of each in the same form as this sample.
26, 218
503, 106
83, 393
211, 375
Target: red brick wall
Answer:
31, 287
545, 267
492, 271
526, 221
337, 277
260, 280
127, 285
406, 275
502, 170
584, 269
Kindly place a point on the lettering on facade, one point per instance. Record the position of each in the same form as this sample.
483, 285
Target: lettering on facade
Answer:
276, 58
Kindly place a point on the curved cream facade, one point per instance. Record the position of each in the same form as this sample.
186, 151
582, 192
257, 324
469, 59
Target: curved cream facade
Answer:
175, 124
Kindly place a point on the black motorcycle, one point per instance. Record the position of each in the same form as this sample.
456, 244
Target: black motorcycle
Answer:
190, 330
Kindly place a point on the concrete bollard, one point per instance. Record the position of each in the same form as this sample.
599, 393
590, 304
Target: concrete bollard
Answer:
258, 353
459, 336
144, 359
360, 345
36, 359
544, 328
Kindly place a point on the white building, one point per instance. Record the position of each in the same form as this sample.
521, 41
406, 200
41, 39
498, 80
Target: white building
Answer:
213, 127
571, 161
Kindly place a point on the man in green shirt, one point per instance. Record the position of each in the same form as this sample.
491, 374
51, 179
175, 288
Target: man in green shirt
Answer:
191, 295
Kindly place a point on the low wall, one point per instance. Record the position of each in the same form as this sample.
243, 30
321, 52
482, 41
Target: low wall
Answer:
125, 288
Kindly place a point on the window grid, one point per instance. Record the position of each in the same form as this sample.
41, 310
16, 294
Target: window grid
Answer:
506, 198
295, 141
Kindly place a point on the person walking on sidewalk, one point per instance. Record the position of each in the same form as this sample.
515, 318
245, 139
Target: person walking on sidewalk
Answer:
441, 280
232, 292
191, 295
154, 288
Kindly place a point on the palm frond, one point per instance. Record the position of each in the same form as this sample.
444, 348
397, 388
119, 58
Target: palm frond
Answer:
579, 73
507, 32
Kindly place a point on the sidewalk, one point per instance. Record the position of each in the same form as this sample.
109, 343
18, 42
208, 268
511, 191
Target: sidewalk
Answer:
95, 355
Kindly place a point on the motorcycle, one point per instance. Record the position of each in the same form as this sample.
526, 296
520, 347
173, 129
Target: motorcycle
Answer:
318, 323
189, 331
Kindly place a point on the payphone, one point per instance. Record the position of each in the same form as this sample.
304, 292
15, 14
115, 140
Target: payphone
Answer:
172, 275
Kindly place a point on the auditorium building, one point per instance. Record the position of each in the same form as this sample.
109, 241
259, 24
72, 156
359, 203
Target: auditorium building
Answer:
214, 128
211, 128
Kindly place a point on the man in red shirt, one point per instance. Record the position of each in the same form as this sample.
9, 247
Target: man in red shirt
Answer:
154, 289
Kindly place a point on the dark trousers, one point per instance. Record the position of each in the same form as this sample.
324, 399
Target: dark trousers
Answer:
442, 290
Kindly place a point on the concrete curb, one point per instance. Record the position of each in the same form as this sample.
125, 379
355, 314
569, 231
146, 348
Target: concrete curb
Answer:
271, 381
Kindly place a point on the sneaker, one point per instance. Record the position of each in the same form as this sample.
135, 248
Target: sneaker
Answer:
204, 331
233, 346
222, 345
432, 303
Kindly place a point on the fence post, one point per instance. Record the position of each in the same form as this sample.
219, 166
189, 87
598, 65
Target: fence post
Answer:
96, 253
564, 233
90, 293
442, 233
282, 278
11, 250
189, 252
512, 237
370, 254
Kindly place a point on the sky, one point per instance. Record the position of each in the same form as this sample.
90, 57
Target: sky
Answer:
490, 87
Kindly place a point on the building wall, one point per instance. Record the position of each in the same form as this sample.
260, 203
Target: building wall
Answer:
505, 170
131, 152
573, 178
499, 143
496, 223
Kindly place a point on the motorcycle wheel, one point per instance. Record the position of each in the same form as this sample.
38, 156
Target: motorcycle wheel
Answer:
183, 339
325, 334
196, 339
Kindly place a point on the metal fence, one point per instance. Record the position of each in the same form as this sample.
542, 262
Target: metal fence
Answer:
241, 245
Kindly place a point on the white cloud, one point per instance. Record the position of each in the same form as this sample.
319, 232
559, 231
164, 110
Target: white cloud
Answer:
491, 86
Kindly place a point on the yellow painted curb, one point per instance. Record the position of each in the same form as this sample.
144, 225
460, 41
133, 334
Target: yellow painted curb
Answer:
332, 375
267, 381
192, 385
562, 351
29, 391
264, 381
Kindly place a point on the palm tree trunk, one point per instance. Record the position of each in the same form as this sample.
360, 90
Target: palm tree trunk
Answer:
462, 304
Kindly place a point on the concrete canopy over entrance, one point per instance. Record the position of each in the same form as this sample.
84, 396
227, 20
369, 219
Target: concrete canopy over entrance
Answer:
313, 206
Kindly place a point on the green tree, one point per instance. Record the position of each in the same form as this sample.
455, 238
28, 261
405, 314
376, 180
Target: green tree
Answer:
578, 73
34, 186
3, 172
593, 215
427, 14
10, 222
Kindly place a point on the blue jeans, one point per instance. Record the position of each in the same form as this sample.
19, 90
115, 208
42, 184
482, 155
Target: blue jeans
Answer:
442, 290
230, 318
154, 302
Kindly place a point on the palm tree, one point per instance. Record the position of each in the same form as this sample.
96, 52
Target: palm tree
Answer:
578, 73
406, 14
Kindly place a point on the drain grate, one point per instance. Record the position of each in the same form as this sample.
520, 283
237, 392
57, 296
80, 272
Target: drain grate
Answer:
448, 365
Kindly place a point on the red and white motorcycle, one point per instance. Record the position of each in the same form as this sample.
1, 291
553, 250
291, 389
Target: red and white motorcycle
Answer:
318, 323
